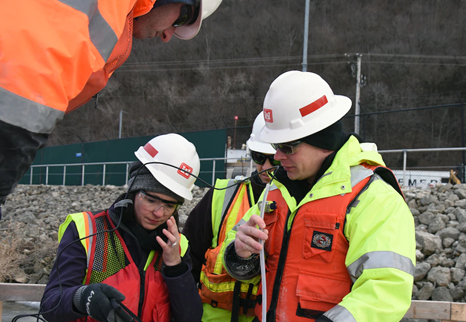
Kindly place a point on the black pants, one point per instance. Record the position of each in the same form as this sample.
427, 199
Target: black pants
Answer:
18, 148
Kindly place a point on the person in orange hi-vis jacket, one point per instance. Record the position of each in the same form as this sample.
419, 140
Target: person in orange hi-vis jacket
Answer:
55, 55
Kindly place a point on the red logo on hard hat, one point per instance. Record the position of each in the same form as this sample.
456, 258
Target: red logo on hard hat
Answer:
187, 168
268, 117
314, 106
151, 150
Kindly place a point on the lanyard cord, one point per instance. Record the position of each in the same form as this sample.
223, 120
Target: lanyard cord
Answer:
262, 259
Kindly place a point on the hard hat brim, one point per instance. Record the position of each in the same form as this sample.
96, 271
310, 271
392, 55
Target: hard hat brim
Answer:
330, 114
260, 147
190, 31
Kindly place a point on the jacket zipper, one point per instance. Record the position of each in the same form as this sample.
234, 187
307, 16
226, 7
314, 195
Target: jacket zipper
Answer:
281, 267
142, 290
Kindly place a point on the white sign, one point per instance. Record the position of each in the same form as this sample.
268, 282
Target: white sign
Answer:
421, 179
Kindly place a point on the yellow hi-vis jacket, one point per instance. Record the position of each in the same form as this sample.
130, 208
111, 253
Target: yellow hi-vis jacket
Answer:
380, 258
217, 288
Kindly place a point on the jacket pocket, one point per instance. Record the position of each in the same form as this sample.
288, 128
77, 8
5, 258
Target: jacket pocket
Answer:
320, 236
270, 220
318, 294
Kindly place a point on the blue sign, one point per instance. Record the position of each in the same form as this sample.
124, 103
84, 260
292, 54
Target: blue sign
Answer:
78, 155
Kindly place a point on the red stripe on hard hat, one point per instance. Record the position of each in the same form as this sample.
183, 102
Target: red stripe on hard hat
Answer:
314, 106
151, 150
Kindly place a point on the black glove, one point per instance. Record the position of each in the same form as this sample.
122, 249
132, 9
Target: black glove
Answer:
99, 302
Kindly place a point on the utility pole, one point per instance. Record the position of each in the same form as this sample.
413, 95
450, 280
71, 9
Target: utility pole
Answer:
306, 35
121, 123
356, 104
234, 135
463, 167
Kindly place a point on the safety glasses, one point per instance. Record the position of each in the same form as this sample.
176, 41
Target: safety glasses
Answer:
260, 158
153, 203
186, 17
287, 148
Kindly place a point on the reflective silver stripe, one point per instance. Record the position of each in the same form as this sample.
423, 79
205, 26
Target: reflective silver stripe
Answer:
101, 33
339, 313
359, 173
324, 175
273, 187
241, 222
229, 194
91, 239
380, 259
22, 112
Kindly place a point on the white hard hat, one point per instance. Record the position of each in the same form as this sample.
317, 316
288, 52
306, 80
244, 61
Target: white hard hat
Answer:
255, 143
299, 104
207, 7
177, 151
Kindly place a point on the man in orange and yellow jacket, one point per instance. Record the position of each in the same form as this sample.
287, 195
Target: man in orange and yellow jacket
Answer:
340, 243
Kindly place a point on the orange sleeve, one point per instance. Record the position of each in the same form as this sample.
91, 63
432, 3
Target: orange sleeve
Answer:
48, 50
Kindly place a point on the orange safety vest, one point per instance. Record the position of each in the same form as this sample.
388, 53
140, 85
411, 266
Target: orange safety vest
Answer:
216, 286
112, 264
315, 242
98, 80
60, 53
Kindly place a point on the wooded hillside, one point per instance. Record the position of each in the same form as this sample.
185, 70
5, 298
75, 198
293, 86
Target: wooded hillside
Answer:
413, 62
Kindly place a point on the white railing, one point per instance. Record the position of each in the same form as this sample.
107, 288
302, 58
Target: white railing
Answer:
82, 172
407, 177
417, 177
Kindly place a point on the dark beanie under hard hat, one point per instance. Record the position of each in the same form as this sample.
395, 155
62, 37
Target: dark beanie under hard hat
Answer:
329, 138
159, 3
144, 180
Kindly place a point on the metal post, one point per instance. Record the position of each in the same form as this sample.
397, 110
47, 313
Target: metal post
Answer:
30, 179
103, 175
121, 123
46, 175
64, 174
405, 156
306, 35
463, 179
127, 169
234, 134
83, 172
356, 104
213, 171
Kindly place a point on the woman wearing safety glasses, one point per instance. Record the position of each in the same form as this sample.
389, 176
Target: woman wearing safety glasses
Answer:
129, 262
219, 210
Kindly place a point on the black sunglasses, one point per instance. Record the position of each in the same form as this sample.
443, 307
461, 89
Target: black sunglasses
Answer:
187, 16
287, 148
260, 158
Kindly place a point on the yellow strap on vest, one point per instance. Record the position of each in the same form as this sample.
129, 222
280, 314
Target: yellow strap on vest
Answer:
83, 224
226, 286
220, 200
237, 210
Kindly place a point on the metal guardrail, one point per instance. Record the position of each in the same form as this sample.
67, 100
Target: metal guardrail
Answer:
407, 177
105, 165
404, 173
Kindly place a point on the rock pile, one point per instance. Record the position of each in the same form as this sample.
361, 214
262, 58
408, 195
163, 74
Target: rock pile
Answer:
440, 218
33, 214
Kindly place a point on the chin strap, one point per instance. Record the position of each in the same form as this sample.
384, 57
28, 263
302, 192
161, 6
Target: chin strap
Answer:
123, 203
